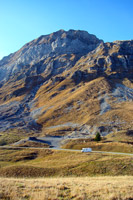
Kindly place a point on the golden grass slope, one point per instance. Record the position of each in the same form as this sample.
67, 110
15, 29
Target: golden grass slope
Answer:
81, 104
73, 104
83, 188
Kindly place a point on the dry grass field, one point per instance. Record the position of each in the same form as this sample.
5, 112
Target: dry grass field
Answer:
49, 163
85, 188
42, 174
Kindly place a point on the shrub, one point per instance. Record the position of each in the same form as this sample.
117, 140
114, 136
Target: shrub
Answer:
98, 137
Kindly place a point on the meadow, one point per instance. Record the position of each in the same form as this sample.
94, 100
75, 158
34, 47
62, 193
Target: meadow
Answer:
76, 188
53, 163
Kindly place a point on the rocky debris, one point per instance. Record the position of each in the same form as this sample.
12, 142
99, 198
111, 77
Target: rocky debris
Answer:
18, 114
83, 132
105, 107
122, 93
16, 117
35, 113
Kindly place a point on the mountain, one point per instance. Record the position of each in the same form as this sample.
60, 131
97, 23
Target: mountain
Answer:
68, 82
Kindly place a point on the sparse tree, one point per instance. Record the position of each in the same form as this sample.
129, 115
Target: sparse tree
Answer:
98, 137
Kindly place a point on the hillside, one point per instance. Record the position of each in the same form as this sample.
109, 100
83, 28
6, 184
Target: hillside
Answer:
56, 163
68, 82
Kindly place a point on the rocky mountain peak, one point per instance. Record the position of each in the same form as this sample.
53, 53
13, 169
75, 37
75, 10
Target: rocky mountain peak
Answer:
67, 77
55, 44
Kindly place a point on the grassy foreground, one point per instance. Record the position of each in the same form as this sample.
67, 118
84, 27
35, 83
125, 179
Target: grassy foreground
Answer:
85, 188
64, 175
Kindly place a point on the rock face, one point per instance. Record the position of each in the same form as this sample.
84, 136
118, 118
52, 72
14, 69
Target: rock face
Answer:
111, 59
68, 82
50, 54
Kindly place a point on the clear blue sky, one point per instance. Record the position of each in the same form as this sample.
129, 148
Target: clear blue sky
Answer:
24, 20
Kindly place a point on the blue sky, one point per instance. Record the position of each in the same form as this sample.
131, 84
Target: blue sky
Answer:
24, 20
